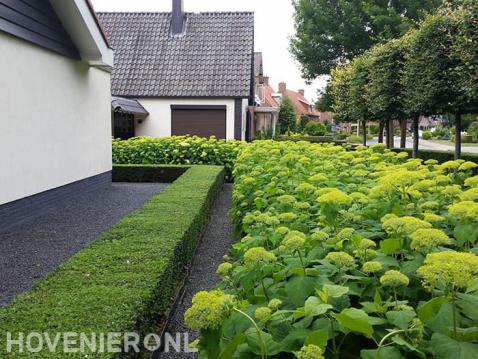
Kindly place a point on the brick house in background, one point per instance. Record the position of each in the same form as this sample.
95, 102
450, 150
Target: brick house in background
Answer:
265, 112
301, 105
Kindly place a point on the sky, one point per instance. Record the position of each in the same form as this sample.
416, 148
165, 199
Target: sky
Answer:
274, 25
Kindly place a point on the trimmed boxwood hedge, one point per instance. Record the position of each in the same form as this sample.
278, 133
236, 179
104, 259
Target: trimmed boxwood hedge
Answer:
440, 156
125, 280
313, 139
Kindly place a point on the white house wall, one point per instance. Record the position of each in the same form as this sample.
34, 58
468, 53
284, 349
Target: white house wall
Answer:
55, 124
158, 123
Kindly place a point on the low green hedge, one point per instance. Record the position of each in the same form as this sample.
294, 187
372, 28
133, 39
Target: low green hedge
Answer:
125, 280
440, 156
313, 139
177, 150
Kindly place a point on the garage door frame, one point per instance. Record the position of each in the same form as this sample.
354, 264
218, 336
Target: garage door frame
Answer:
199, 108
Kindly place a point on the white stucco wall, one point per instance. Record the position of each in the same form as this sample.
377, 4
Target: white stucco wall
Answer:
55, 125
158, 123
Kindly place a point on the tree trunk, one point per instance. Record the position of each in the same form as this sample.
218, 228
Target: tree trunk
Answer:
403, 133
415, 136
390, 135
364, 128
458, 136
380, 132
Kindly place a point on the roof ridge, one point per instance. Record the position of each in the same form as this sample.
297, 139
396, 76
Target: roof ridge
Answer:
187, 12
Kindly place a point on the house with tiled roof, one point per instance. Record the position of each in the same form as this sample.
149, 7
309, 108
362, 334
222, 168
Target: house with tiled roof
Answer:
190, 73
302, 106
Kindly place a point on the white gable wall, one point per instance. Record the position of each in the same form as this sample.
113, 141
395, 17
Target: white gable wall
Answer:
158, 123
55, 125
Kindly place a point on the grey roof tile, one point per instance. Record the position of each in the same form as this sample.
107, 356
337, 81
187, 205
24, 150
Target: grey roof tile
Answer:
213, 58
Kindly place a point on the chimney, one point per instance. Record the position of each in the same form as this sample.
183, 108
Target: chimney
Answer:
266, 80
282, 87
178, 17
302, 92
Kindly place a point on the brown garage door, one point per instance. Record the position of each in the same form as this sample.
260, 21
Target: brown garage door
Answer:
203, 121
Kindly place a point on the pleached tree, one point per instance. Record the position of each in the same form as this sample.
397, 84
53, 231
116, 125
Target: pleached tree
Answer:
384, 92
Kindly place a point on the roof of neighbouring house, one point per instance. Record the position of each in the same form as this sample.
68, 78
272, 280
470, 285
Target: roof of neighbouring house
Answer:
301, 104
212, 58
269, 100
128, 105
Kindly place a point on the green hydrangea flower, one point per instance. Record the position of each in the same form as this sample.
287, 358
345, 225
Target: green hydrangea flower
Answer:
274, 304
305, 188
340, 259
318, 178
282, 231
366, 243
372, 267
403, 225
394, 278
287, 217
433, 218
472, 182
257, 255
286, 199
464, 211
449, 165
452, 190
426, 239
209, 310
294, 240
452, 270
224, 269
470, 195
335, 198
319, 236
468, 165
310, 352
262, 313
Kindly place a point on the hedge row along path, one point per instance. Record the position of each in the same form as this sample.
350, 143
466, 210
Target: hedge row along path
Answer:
215, 243
31, 250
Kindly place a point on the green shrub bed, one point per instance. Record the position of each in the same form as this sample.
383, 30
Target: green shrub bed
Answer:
346, 254
177, 150
125, 280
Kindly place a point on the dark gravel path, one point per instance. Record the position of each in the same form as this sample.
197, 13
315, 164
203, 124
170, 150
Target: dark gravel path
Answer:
215, 243
31, 250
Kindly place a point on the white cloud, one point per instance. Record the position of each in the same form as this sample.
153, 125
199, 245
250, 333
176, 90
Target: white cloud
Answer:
273, 29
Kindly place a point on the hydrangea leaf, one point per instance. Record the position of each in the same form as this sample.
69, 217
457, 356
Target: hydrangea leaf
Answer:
299, 289
335, 291
318, 337
314, 307
354, 320
257, 340
430, 309
383, 353
231, 347
400, 319
469, 305
444, 347
390, 245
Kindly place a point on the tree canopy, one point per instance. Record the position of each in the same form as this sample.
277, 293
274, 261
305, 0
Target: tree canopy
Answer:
287, 119
329, 33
